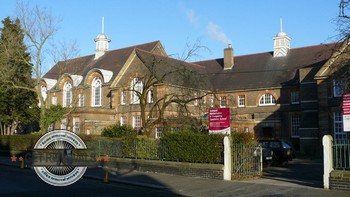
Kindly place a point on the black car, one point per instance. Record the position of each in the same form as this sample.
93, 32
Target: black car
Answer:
282, 150
267, 155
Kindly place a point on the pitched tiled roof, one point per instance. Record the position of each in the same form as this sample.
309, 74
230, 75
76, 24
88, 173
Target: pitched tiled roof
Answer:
263, 70
111, 60
176, 72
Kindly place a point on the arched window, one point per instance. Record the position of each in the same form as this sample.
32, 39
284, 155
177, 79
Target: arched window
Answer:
96, 91
67, 94
267, 99
136, 88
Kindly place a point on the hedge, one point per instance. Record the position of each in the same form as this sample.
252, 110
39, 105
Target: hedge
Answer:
186, 146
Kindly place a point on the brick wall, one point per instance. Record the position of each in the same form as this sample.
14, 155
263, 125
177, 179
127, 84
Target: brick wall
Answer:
339, 180
210, 171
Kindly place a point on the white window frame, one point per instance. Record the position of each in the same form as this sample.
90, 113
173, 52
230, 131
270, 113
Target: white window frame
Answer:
67, 94
159, 131
136, 122
223, 101
51, 127
81, 100
123, 98
338, 130
338, 88
241, 100
294, 125
267, 100
150, 98
96, 92
64, 124
211, 100
294, 97
44, 92
136, 90
54, 100
76, 125
122, 120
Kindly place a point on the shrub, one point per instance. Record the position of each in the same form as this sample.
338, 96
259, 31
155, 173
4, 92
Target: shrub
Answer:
18, 142
242, 138
119, 131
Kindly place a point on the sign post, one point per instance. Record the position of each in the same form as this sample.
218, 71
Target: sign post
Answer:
219, 121
346, 112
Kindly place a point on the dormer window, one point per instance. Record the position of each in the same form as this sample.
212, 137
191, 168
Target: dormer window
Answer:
267, 99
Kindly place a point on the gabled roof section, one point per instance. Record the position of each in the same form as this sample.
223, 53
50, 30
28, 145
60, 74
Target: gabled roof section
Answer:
112, 61
175, 72
262, 70
340, 56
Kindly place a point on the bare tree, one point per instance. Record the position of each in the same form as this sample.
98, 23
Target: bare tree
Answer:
168, 89
340, 68
39, 28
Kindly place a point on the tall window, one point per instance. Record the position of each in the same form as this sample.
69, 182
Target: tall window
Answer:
338, 88
195, 102
122, 120
223, 101
44, 92
81, 100
267, 99
339, 135
136, 122
294, 97
295, 124
54, 100
76, 124
241, 100
64, 123
211, 100
96, 91
123, 98
159, 132
67, 94
136, 88
150, 96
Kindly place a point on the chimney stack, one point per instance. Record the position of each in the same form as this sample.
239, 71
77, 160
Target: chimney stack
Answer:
228, 57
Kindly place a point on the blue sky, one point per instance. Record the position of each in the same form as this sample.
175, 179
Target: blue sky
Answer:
249, 24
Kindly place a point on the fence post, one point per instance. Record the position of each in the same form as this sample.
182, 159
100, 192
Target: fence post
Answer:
227, 159
327, 142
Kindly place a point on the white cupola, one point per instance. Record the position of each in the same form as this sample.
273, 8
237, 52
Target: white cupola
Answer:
102, 42
281, 44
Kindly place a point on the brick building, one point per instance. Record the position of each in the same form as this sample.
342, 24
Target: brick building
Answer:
278, 94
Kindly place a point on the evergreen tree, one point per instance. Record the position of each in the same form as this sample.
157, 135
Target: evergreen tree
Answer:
18, 103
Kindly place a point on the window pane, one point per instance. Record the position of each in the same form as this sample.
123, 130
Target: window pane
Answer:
96, 91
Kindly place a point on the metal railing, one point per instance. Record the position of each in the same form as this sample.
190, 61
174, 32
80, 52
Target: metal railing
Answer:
341, 155
246, 160
135, 149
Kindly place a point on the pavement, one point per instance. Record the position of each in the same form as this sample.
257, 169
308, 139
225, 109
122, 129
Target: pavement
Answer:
194, 186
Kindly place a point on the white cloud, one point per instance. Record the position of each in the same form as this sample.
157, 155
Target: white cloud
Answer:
191, 16
214, 32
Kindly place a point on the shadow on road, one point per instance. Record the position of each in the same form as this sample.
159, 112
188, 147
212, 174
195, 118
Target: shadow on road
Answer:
306, 172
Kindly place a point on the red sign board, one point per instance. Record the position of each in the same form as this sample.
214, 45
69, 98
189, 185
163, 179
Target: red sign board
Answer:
346, 104
219, 120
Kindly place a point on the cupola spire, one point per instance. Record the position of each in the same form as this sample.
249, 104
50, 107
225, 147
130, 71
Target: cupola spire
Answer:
102, 42
281, 45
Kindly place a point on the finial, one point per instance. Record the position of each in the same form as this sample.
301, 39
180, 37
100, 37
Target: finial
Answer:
281, 24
